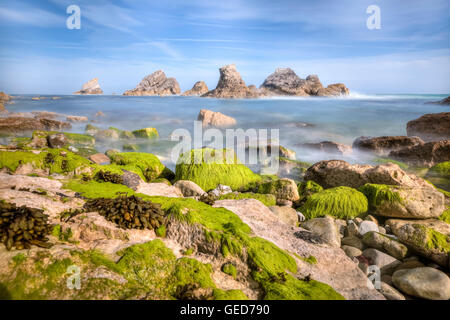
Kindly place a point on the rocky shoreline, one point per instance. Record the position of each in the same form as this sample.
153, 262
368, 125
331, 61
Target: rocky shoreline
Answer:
221, 231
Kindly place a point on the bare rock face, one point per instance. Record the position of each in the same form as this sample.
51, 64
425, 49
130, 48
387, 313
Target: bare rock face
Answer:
22, 124
284, 81
90, 87
385, 144
445, 101
215, 119
430, 127
199, 88
4, 99
424, 155
328, 147
230, 85
155, 84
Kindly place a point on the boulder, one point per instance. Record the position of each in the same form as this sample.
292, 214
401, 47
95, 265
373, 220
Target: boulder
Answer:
426, 283
155, 84
230, 85
325, 228
99, 158
328, 147
423, 239
367, 226
336, 89
215, 119
430, 127
282, 189
404, 202
383, 145
385, 262
22, 124
199, 88
286, 214
353, 241
381, 242
90, 87
189, 188
351, 252
333, 173
424, 155
221, 190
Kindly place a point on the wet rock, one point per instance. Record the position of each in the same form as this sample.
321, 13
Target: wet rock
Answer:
90, 87
230, 85
76, 119
427, 283
282, 189
286, 214
430, 127
155, 84
198, 89
215, 119
22, 124
383, 145
327, 147
424, 155
335, 89
189, 188
381, 242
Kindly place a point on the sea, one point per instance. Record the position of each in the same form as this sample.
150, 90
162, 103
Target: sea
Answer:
298, 120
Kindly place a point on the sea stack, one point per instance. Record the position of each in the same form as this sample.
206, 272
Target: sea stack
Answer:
198, 89
230, 85
90, 87
4, 99
285, 82
155, 84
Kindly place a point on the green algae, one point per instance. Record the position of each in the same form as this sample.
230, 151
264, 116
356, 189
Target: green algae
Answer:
378, 194
339, 202
229, 269
308, 188
208, 168
146, 133
267, 199
229, 295
445, 216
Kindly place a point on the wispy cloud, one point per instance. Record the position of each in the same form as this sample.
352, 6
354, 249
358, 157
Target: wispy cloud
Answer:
30, 16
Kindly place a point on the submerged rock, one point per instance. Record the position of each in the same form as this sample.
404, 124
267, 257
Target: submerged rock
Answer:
328, 147
90, 87
230, 85
430, 127
198, 89
215, 119
383, 145
155, 84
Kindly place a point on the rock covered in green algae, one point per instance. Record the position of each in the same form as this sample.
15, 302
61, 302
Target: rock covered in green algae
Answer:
340, 202
146, 133
282, 189
382, 242
209, 167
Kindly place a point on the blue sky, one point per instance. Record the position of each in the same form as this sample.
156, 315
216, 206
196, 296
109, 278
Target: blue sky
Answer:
122, 41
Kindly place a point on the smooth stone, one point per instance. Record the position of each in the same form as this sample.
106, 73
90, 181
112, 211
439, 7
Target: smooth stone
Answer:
390, 293
285, 214
189, 188
385, 262
351, 251
381, 242
367, 226
325, 228
353, 241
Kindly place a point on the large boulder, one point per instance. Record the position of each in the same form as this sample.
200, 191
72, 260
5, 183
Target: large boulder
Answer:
282, 189
328, 147
230, 85
424, 155
23, 124
427, 283
335, 89
429, 238
215, 119
90, 87
198, 89
383, 145
155, 84
430, 127
404, 201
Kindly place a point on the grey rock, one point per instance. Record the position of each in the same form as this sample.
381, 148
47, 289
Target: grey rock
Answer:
390, 293
57, 140
286, 214
381, 242
353, 241
385, 262
325, 228
351, 251
189, 188
367, 226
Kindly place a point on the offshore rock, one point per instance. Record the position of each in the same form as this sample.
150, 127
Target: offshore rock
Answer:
155, 84
90, 87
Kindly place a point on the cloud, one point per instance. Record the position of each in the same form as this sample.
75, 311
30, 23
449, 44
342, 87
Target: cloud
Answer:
31, 16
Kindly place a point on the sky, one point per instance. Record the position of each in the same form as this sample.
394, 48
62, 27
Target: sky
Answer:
122, 41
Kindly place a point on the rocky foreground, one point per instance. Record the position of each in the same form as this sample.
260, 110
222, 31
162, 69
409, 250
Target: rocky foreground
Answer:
130, 228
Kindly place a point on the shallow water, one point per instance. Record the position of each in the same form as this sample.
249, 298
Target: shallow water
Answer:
336, 119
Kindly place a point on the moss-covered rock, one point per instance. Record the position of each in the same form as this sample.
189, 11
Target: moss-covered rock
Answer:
208, 168
308, 188
442, 169
282, 189
339, 202
146, 133
403, 202
445, 216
